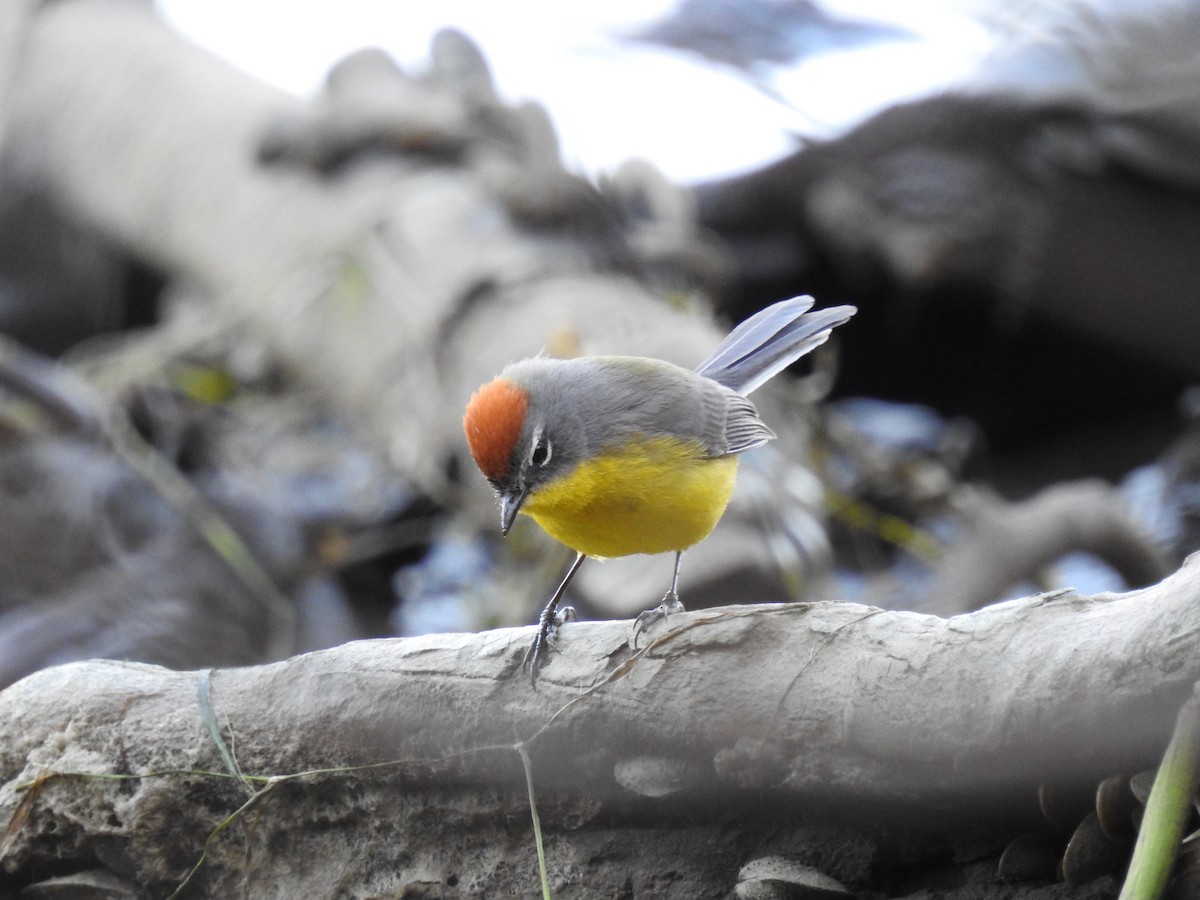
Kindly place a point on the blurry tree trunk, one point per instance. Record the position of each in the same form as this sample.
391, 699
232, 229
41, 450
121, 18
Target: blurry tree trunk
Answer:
366, 282
396, 284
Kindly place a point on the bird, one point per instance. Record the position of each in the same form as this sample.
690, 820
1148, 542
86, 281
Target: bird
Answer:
621, 455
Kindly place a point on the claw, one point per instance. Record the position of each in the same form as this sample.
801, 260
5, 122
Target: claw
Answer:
670, 604
543, 641
548, 623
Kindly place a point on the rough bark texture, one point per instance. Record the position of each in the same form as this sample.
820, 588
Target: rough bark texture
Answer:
751, 723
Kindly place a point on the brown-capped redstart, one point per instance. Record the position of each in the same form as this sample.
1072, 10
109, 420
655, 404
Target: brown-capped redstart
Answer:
616, 455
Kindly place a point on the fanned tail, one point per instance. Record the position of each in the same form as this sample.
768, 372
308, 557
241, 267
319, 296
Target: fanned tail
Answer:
770, 341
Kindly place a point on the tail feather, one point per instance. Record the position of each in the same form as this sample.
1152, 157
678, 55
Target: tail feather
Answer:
770, 341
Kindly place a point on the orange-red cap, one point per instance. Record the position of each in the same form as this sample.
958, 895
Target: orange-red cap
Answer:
493, 422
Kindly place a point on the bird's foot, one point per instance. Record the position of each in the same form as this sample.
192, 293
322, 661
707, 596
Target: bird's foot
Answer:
543, 641
670, 604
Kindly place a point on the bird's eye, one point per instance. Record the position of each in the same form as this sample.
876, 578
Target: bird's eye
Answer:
541, 453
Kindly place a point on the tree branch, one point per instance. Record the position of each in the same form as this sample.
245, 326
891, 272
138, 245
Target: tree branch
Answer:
836, 697
814, 702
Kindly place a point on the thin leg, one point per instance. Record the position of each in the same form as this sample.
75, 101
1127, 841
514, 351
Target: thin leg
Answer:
670, 604
674, 594
548, 622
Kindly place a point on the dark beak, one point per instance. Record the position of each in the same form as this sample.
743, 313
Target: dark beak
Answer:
510, 505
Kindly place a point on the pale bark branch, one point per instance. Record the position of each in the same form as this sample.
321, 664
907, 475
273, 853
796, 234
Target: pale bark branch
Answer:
827, 698
808, 706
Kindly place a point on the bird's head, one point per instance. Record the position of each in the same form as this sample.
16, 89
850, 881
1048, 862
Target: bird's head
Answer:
511, 442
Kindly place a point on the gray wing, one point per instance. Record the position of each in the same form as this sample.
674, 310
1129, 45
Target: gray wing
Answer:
681, 403
617, 398
744, 430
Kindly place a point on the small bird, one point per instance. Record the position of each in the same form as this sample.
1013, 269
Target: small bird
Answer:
616, 455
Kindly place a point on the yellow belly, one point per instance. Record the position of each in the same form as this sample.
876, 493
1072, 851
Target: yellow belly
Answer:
650, 497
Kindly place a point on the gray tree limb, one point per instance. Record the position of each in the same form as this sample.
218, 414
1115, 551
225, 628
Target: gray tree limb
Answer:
819, 703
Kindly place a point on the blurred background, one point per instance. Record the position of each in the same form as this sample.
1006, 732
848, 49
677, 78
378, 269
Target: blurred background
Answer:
609, 72
256, 256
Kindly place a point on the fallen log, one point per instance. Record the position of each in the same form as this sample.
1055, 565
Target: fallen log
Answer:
765, 711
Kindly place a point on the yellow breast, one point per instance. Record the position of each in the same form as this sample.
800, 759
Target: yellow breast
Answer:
651, 496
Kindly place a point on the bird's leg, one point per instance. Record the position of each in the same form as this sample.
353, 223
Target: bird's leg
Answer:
548, 622
670, 604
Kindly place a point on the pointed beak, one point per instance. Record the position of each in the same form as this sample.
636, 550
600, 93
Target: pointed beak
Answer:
510, 505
